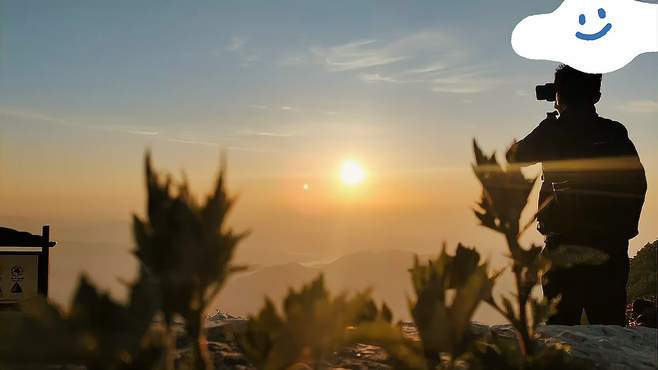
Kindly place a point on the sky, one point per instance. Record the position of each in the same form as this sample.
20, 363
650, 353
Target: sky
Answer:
289, 90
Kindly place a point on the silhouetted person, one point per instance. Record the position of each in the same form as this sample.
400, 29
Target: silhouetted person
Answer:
592, 194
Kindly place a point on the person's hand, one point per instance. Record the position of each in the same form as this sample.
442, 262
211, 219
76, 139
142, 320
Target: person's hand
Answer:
510, 155
559, 104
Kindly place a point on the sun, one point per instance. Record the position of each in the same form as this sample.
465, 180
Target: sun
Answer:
351, 173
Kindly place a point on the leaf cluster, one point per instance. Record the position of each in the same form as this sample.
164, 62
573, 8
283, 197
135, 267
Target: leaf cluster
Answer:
311, 326
643, 275
504, 196
448, 290
186, 248
97, 331
184, 245
505, 192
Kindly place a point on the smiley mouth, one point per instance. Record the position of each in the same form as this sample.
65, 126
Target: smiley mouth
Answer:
594, 36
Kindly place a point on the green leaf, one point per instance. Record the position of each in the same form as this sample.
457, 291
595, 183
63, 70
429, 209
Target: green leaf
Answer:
313, 325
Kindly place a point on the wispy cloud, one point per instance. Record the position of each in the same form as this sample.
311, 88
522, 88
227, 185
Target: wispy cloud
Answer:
249, 59
431, 59
235, 43
272, 134
288, 108
356, 55
273, 107
57, 121
376, 77
192, 141
126, 129
292, 60
247, 55
456, 80
259, 106
466, 81
41, 118
640, 106
35, 116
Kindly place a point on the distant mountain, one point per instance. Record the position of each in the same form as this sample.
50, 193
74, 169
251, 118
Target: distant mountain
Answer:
384, 272
245, 293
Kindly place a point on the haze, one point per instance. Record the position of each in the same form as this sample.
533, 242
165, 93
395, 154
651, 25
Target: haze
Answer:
291, 90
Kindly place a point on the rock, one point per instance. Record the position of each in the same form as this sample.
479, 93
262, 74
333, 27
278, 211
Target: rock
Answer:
222, 316
609, 347
228, 356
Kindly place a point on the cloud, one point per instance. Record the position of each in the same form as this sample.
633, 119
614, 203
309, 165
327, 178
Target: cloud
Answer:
283, 108
236, 43
259, 106
192, 141
376, 77
463, 82
288, 108
429, 58
34, 116
51, 120
450, 81
249, 59
133, 130
640, 106
247, 56
292, 60
595, 36
356, 55
272, 134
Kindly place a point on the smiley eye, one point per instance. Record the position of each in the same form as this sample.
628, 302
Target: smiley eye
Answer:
601, 13
581, 19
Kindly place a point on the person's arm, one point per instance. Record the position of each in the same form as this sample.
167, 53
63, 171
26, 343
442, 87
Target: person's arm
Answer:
635, 188
535, 146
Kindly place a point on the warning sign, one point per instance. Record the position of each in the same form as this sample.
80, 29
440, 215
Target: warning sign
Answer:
18, 277
16, 288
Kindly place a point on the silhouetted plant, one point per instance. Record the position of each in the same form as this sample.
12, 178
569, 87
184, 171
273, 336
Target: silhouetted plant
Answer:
447, 290
186, 247
505, 192
403, 352
312, 326
643, 275
97, 331
443, 321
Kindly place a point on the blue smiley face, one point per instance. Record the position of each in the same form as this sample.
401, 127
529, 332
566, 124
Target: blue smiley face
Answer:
593, 36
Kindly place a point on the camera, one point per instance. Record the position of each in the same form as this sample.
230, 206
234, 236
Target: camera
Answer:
545, 92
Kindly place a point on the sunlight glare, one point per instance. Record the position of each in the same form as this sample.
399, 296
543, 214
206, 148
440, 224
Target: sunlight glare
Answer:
351, 173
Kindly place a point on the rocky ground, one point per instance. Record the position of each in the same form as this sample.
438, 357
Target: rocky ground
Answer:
609, 347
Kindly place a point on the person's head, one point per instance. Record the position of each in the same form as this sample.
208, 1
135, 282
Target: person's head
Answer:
576, 89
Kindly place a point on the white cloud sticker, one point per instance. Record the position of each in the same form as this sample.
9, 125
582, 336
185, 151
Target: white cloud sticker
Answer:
594, 36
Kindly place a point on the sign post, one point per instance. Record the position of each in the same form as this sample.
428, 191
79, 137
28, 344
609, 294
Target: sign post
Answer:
24, 263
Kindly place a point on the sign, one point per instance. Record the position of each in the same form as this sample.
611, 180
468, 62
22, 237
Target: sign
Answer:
24, 260
18, 277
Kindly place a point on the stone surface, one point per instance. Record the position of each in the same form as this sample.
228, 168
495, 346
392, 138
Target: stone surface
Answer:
609, 347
